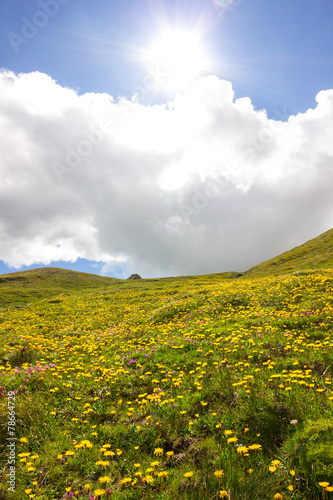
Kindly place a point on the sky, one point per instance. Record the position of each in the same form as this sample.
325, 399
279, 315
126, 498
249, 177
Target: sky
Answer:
163, 138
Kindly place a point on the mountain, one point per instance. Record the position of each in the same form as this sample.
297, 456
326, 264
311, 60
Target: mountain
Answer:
314, 254
27, 286
23, 287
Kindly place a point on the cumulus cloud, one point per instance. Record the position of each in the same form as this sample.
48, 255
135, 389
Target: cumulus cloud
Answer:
205, 183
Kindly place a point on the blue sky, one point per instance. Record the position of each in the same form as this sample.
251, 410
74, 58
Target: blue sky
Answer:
277, 54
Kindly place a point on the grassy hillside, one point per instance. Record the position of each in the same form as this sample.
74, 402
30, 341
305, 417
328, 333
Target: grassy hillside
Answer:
193, 389
26, 286
23, 287
314, 254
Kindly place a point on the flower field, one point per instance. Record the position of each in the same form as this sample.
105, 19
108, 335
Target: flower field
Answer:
201, 388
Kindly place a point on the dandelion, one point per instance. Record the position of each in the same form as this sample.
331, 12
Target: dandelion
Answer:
250, 471
99, 493
272, 468
292, 472
104, 479
170, 453
218, 473
188, 474
324, 484
158, 451
223, 494
232, 440
277, 496
254, 447
290, 487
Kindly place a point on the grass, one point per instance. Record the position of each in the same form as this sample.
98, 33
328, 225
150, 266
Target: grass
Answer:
189, 388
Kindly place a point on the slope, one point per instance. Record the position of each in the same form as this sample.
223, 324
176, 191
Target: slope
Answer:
316, 253
22, 287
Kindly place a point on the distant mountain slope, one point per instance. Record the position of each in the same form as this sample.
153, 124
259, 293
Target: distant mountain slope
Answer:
314, 254
46, 282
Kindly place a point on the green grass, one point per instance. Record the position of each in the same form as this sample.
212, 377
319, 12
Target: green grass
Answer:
136, 384
314, 254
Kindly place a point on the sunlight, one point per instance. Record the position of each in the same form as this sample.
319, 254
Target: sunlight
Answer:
177, 58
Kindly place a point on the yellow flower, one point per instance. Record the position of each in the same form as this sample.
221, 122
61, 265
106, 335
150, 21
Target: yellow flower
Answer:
232, 440
272, 468
99, 493
169, 453
158, 451
228, 432
28, 491
104, 479
23, 440
188, 474
292, 472
223, 494
218, 473
250, 471
329, 488
324, 484
277, 496
254, 447
290, 487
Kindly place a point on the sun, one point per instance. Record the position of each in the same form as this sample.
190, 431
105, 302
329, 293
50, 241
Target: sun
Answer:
176, 58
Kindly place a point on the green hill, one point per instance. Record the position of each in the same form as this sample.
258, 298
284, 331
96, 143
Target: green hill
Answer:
27, 286
314, 254
23, 287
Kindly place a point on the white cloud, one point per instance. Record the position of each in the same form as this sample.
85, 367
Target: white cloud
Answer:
202, 184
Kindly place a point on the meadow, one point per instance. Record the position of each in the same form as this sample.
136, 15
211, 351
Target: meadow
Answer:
200, 389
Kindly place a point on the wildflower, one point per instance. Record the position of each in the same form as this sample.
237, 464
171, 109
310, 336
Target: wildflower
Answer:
276, 462
188, 474
292, 472
277, 496
329, 488
99, 493
170, 453
250, 471
104, 479
163, 473
23, 440
272, 468
158, 451
218, 473
254, 447
242, 449
232, 440
290, 487
126, 480
228, 432
223, 494
324, 484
